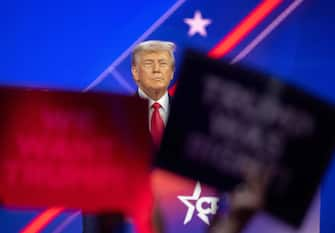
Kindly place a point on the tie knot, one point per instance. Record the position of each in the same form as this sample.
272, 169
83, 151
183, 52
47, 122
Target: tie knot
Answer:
156, 106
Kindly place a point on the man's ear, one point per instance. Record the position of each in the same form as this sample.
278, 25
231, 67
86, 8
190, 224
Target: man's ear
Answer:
134, 73
172, 76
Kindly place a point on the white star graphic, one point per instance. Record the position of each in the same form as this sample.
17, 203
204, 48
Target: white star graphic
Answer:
190, 206
199, 201
197, 24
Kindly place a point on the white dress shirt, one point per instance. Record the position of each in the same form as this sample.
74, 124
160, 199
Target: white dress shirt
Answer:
163, 110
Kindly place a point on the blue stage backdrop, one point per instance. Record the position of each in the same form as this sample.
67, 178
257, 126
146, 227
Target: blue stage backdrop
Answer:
85, 45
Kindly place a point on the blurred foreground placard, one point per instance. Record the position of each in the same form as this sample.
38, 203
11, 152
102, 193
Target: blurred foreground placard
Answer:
228, 121
80, 150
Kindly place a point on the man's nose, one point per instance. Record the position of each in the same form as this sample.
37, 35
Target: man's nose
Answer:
156, 67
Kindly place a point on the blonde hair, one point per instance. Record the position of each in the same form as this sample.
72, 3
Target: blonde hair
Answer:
153, 46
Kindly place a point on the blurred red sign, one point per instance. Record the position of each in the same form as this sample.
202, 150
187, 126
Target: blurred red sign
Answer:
80, 150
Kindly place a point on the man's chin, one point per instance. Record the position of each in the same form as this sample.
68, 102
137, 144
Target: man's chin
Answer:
159, 88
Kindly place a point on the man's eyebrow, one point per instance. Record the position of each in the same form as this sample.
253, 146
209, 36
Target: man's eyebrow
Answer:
148, 59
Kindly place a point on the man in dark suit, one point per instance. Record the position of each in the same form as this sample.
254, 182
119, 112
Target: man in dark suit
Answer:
152, 67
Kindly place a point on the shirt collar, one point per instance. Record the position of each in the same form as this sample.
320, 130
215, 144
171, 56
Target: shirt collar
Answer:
163, 101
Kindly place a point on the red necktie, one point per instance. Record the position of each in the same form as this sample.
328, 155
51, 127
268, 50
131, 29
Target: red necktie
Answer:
157, 124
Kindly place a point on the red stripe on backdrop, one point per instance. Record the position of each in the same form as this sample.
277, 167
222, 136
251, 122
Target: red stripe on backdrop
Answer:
43, 219
231, 40
243, 28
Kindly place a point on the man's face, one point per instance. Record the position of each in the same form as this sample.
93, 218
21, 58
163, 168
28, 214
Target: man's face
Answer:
154, 71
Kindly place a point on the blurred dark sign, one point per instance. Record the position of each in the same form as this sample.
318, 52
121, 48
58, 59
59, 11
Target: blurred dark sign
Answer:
228, 120
80, 150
